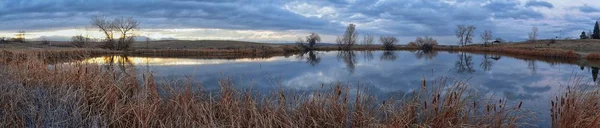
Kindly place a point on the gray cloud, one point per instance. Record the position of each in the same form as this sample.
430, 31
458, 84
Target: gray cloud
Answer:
534, 3
588, 9
399, 18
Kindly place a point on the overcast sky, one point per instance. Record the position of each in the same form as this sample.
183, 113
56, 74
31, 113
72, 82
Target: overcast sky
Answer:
284, 21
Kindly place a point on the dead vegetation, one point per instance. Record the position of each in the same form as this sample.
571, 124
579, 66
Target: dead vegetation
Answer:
577, 106
91, 95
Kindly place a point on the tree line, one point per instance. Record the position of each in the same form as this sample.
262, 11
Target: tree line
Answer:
592, 34
350, 38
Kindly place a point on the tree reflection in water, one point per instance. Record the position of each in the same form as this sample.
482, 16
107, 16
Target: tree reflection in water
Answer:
367, 55
349, 58
123, 63
312, 58
486, 63
388, 56
595, 73
464, 63
532, 66
427, 54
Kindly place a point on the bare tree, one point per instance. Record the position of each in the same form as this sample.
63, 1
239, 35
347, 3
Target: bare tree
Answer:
107, 27
465, 34
388, 42
533, 34
460, 33
122, 26
368, 39
125, 26
301, 43
349, 38
339, 41
486, 36
486, 63
312, 40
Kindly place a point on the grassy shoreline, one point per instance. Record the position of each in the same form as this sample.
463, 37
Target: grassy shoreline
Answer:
565, 56
89, 95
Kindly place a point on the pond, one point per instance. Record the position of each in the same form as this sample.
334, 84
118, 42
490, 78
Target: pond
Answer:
385, 73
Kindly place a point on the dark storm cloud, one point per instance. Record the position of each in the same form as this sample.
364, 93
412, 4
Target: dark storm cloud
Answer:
534, 3
398, 17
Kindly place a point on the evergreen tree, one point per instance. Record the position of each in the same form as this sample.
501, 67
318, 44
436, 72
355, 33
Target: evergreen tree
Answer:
596, 34
583, 35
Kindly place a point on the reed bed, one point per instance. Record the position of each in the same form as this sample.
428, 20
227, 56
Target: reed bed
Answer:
551, 53
593, 56
91, 95
53, 56
577, 106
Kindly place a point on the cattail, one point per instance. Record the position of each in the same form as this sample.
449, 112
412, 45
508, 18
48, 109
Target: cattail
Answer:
520, 103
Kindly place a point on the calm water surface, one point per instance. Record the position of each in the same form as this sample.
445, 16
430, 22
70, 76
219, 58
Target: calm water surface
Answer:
385, 73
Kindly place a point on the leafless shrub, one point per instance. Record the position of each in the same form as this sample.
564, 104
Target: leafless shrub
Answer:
80, 41
425, 44
388, 42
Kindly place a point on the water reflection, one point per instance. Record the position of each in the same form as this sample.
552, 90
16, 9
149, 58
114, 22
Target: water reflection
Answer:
396, 73
388, 56
427, 54
594, 74
531, 65
312, 58
121, 62
464, 64
349, 58
486, 63
367, 55
496, 57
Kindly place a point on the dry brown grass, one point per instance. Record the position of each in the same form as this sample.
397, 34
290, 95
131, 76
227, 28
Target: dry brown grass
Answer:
593, 56
576, 107
90, 95
551, 53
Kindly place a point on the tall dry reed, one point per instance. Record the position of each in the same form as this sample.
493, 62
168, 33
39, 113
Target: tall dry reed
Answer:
91, 95
577, 106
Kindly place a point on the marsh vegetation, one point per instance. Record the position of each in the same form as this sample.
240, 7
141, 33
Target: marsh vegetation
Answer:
84, 94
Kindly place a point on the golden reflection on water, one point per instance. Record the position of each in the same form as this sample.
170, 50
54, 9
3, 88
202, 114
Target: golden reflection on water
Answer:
174, 61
